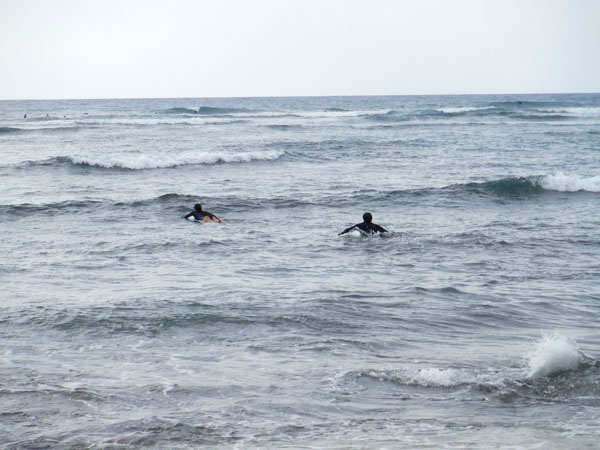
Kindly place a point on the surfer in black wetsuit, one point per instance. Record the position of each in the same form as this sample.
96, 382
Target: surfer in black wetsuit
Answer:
205, 216
367, 227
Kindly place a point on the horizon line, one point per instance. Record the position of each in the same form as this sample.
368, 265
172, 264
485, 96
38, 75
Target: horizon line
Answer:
290, 96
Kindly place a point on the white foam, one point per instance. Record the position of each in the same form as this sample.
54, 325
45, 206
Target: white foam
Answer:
316, 114
142, 161
463, 109
582, 111
570, 183
555, 353
151, 121
326, 113
443, 377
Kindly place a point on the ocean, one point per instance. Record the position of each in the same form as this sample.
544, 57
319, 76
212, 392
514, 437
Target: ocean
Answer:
474, 325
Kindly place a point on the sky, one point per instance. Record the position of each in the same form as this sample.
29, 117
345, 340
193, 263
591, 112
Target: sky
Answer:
232, 48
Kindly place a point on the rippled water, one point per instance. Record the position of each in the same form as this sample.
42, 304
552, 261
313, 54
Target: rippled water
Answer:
123, 325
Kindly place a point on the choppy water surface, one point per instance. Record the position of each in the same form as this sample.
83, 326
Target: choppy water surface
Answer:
123, 325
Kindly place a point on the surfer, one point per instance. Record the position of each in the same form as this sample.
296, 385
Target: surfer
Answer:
205, 216
367, 227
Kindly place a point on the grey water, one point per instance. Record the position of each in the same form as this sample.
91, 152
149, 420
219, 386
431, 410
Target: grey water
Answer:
475, 325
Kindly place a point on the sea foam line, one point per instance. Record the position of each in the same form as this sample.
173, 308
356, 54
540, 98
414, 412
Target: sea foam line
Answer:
463, 109
141, 161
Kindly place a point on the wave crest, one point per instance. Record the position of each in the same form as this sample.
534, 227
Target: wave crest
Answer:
513, 187
523, 186
464, 109
205, 110
138, 161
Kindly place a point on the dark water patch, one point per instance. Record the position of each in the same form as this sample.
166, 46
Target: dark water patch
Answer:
524, 104
167, 318
492, 112
160, 433
68, 162
549, 117
225, 205
178, 204
374, 196
451, 290
578, 386
135, 322
49, 209
180, 110
80, 393
517, 188
388, 117
506, 187
470, 238
283, 127
209, 110
530, 187
10, 130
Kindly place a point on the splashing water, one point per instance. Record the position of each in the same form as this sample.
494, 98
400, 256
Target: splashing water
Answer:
554, 354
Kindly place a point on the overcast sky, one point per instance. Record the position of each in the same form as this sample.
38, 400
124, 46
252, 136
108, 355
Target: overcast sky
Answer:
229, 48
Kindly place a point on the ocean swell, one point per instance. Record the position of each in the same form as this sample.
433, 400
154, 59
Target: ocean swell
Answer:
10, 130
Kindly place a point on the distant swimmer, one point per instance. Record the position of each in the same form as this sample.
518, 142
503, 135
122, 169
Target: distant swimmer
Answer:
367, 227
205, 216
25, 116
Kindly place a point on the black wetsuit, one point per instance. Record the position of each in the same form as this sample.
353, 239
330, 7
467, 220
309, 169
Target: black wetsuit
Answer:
200, 215
367, 228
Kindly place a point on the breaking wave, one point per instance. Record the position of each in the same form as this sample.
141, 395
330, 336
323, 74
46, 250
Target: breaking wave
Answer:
206, 111
138, 161
555, 369
553, 355
464, 109
570, 183
513, 187
537, 112
523, 186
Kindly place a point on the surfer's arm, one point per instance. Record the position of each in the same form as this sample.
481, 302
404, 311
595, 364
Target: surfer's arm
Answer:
188, 215
347, 230
381, 229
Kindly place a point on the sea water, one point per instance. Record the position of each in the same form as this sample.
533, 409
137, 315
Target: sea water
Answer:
122, 325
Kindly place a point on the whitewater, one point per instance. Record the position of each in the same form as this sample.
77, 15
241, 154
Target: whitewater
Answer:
123, 325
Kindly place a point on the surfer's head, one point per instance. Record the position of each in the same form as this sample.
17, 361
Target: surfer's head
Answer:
367, 217
198, 207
